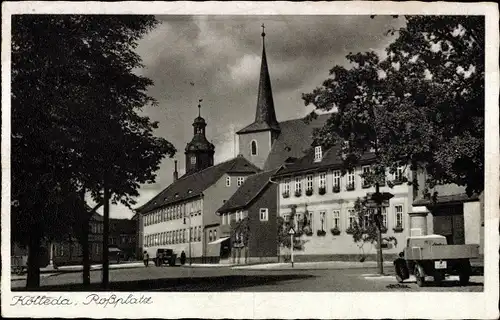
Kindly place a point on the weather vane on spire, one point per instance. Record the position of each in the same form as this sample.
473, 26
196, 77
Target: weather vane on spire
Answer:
199, 107
263, 33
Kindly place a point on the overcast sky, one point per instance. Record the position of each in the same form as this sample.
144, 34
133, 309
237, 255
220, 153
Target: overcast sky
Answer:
221, 55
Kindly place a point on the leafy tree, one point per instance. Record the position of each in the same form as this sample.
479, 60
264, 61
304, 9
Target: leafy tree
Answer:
365, 228
284, 226
422, 107
75, 121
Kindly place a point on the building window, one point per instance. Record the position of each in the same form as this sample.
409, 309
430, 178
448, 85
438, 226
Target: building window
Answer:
336, 219
210, 236
384, 217
350, 180
365, 170
399, 216
191, 234
318, 153
309, 183
199, 233
322, 215
322, 181
98, 249
264, 214
240, 181
215, 235
366, 221
228, 181
336, 180
193, 160
398, 175
286, 188
183, 235
253, 147
239, 215
352, 217
298, 186
223, 218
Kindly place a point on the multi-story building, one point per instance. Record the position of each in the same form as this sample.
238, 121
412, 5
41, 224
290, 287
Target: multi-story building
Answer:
319, 195
123, 235
182, 216
248, 218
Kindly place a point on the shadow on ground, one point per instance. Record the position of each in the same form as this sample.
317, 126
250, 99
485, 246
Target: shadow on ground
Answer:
200, 284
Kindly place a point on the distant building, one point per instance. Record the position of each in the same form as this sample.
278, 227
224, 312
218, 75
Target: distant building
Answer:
182, 216
248, 218
69, 251
123, 235
452, 213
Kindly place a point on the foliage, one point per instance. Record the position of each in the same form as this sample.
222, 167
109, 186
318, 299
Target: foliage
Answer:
335, 231
75, 122
364, 229
283, 228
241, 231
421, 107
321, 233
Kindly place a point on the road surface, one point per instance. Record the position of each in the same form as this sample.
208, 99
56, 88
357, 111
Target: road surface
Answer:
210, 279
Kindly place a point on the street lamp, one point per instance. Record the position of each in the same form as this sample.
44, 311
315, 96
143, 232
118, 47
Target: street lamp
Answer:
189, 235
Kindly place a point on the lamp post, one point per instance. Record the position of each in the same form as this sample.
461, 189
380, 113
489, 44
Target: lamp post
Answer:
189, 228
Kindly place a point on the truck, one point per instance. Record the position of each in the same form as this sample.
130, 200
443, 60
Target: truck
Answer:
431, 255
165, 256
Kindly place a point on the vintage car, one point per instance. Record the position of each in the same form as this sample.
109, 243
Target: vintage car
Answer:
165, 256
430, 255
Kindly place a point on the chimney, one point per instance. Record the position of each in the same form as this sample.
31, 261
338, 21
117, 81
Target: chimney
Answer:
176, 174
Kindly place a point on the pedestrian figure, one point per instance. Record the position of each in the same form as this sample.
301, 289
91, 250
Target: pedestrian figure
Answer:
145, 257
160, 259
183, 257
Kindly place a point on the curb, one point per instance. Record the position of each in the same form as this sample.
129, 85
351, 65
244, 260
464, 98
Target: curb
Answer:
111, 267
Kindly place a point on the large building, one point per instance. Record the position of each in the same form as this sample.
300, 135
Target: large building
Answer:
322, 200
182, 216
249, 219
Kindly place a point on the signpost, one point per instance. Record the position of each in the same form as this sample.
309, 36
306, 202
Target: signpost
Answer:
291, 232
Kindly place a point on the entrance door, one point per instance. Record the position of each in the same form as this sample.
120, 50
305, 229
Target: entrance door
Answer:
449, 222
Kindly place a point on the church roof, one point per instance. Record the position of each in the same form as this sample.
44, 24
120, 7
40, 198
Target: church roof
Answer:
247, 192
192, 185
294, 140
265, 116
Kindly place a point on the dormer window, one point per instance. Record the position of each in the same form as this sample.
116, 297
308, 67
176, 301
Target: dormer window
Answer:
318, 153
253, 147
193, 160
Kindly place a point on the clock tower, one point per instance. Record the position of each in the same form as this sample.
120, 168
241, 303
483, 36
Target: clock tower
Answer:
199, 152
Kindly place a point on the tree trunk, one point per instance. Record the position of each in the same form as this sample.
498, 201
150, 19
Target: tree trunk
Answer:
34, 248
378, 223
105, 238
84, 241
85, 253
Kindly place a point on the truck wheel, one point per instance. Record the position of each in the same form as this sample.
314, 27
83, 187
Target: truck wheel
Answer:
401, 270
464, 273
419, 276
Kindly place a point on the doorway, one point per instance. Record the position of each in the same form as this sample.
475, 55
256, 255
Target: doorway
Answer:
448, 220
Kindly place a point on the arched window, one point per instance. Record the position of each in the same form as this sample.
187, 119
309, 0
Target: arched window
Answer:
253, 148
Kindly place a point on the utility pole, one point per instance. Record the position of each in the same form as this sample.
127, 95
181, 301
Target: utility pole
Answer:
105, 236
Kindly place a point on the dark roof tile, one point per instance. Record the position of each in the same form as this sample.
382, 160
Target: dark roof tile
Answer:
250, 189
294, 140
192, 185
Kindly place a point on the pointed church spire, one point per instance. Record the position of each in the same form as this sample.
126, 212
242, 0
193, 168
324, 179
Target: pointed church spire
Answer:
265, 113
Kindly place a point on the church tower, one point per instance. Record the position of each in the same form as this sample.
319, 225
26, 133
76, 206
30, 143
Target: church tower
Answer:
199, 152
256, 139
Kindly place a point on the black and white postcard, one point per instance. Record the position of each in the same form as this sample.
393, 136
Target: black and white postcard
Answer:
250, 160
